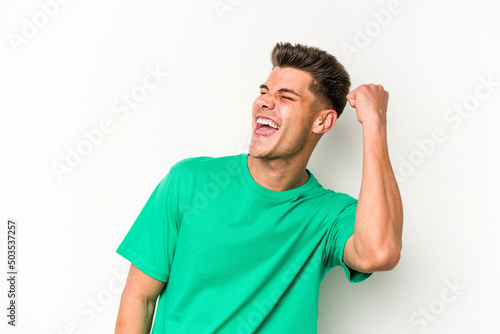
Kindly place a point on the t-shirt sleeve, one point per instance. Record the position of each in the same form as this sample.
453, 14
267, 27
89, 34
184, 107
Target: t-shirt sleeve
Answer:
150, 243
341, 229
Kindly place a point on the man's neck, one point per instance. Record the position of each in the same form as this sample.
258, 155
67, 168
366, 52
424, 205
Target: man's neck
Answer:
277, 174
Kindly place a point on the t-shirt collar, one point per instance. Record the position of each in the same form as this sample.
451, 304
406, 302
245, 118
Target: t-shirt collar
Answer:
285, 194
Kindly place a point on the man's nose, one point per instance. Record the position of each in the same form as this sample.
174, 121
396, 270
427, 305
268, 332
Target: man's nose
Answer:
265, 101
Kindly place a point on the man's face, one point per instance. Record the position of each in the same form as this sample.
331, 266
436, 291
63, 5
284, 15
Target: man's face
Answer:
282, 115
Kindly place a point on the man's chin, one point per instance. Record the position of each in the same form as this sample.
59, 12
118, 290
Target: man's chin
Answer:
257, 151
256, 154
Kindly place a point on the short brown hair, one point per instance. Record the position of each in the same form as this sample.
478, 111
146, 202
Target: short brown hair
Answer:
331, 81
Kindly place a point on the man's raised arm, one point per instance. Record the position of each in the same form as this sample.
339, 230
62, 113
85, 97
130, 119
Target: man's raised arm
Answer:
376, 242
138, 303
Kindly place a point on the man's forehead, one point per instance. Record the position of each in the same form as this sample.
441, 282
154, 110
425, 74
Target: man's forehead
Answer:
290, 78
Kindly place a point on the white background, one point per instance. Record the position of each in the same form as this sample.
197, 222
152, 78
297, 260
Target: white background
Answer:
65, 72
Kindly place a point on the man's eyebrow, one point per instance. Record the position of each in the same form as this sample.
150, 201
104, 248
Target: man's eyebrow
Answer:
282, 90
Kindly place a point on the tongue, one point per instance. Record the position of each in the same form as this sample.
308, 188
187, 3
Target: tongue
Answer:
265, 130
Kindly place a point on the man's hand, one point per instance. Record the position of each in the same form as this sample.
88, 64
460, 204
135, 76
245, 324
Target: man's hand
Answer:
370, 102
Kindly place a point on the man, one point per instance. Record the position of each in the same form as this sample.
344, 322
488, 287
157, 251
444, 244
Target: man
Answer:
240, 244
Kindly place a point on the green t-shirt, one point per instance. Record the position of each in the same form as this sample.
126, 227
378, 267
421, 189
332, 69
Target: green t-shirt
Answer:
237, 257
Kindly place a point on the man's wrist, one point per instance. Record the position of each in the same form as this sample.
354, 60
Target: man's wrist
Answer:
374, 126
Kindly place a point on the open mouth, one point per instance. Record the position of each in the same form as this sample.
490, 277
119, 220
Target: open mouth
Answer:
266, 127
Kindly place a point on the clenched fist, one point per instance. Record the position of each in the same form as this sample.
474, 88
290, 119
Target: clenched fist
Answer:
370, 102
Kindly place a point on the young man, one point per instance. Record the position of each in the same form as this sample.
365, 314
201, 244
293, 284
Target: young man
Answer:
240, 244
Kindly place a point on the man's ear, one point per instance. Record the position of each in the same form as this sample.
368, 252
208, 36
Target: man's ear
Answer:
324, 121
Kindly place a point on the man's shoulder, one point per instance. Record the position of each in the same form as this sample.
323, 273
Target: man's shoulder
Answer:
338, 198
330, 196
204, 164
